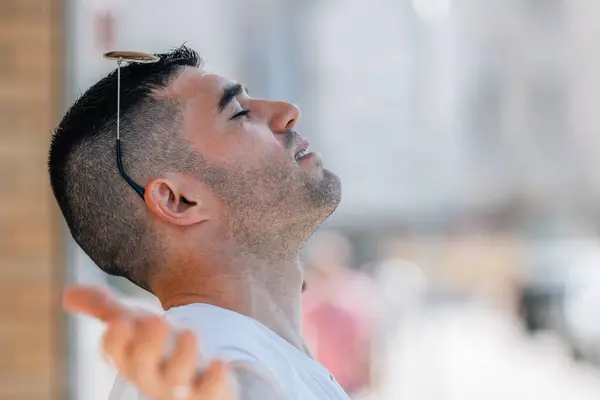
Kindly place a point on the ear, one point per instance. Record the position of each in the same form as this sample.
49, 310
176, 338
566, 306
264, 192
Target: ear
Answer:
165, 198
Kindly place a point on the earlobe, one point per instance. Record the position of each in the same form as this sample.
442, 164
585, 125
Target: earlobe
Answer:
165, 200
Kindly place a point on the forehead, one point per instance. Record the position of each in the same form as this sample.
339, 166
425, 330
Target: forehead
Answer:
198, 84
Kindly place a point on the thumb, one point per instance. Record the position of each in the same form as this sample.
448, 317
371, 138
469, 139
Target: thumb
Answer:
95, 302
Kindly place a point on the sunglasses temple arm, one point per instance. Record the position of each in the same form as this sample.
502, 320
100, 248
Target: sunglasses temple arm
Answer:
139, 190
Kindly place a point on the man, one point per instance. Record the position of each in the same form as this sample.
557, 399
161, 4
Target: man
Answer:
229, 195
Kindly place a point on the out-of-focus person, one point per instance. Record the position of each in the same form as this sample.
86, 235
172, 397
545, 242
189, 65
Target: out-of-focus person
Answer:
341, 314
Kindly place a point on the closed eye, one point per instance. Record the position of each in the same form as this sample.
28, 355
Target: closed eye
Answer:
241, 114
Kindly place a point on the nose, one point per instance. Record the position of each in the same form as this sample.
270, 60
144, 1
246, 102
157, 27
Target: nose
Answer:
284, 117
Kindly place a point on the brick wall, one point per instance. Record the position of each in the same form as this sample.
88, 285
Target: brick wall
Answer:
31, 269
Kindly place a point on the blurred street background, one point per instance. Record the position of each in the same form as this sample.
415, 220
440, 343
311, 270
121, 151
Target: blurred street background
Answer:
464, 260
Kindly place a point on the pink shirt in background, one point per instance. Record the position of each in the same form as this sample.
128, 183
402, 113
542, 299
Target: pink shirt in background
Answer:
339, 320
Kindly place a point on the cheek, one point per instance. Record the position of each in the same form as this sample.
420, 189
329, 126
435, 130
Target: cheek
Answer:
257, 146
243, 146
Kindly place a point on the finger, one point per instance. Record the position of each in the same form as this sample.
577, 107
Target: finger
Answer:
145, 354
181, 367
213, 383
94, 302
116, 340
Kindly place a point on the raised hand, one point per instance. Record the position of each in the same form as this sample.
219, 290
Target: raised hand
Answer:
135, 343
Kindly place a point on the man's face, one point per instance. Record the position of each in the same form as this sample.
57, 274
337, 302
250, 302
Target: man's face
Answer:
262, 170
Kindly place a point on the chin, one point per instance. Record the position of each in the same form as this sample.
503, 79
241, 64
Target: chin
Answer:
326, 194
335, 186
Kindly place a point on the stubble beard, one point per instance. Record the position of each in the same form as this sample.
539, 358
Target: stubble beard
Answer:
273, 210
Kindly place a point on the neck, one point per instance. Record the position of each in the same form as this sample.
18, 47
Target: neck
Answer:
268, 292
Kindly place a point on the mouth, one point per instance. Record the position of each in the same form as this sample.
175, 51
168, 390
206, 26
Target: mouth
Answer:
302, 150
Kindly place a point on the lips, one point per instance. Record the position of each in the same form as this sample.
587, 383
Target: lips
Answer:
301, 149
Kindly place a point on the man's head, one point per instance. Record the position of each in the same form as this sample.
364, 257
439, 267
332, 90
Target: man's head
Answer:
219, 170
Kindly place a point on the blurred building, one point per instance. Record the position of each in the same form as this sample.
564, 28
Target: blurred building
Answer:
32, 243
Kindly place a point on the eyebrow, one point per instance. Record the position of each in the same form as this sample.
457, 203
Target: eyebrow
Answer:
230, 92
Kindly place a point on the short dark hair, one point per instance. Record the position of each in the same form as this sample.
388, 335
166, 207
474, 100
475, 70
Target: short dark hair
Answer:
105, 216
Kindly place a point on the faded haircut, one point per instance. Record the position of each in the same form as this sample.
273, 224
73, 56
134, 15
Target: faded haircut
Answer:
105, 216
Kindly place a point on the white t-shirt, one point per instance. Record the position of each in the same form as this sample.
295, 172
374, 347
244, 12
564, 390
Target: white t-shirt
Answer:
233, 337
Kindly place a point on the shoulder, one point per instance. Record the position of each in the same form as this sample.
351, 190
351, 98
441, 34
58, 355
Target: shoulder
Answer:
225, 334
239, 340
255, 382
262, 361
